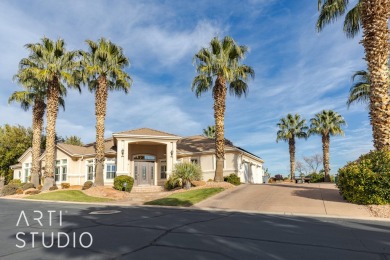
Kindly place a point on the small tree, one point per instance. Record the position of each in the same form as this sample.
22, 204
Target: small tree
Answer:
14, 141
209, 131
301, 168
187, 172
313, 162
73, 140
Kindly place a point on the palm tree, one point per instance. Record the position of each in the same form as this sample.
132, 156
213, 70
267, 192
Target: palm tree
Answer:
221, 63
291, 127
103, 70
373, 16
326, 123
35, 98
330, 10
209, 131
375, 19
49, 62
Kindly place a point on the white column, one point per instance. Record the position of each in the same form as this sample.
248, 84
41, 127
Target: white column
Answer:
174, 155
122, 159
169, 158
126, 159
155, 172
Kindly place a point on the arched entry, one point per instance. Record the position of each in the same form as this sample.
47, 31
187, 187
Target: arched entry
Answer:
144, 167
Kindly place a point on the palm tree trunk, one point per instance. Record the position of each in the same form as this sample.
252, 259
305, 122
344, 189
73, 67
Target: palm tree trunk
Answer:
219, 94
375, 17
51, 118
291, 149
325, 151
38, 113
100, 110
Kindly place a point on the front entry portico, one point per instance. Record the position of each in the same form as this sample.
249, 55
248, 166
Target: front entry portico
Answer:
146, 155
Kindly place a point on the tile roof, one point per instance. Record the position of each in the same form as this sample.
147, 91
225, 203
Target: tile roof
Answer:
146, 131
199, 143
109, 147
202, 144
185, 145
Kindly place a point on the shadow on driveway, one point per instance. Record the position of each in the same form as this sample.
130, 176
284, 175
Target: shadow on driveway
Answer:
315, 191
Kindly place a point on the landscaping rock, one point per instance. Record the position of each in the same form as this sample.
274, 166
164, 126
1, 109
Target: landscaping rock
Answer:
198, 183
49, 182
32, 192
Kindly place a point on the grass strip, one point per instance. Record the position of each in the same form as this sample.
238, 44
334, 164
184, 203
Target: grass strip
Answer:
185, 199
67, 195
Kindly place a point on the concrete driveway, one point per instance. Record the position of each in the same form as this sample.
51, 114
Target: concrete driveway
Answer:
288, 198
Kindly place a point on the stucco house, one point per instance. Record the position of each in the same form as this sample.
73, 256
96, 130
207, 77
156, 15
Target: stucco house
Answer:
147, 155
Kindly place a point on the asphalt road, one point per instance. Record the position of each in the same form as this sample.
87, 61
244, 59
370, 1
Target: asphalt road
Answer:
162, 233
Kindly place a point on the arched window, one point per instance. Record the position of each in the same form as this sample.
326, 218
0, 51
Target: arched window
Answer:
144, 157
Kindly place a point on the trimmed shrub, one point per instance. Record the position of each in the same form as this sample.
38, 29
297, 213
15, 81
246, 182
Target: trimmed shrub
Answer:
316, 177
9, 189
233, 179
65, 185
39, 187
27, 186
53, 187
87, 185
366, 180
272, 180
15, 181
120, 180
19, 191
34, 192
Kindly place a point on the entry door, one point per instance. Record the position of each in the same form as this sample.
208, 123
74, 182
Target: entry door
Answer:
144, 173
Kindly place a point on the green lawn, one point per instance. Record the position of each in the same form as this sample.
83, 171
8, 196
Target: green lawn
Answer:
67, 195
185, 199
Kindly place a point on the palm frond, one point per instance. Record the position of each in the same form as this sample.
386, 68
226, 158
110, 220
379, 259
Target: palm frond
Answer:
352, 21
330, 10
107, 59
222, 59
290, 127
360, 91
327, 122
201, 84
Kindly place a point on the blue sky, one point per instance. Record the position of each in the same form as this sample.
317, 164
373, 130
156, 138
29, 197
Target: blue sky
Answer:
297, 69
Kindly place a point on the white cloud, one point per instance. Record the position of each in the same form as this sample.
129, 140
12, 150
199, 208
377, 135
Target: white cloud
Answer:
168, 47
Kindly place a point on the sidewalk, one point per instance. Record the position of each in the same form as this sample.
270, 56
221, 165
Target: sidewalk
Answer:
287, 198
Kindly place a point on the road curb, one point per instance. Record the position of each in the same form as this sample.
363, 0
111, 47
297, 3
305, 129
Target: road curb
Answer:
292, 214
